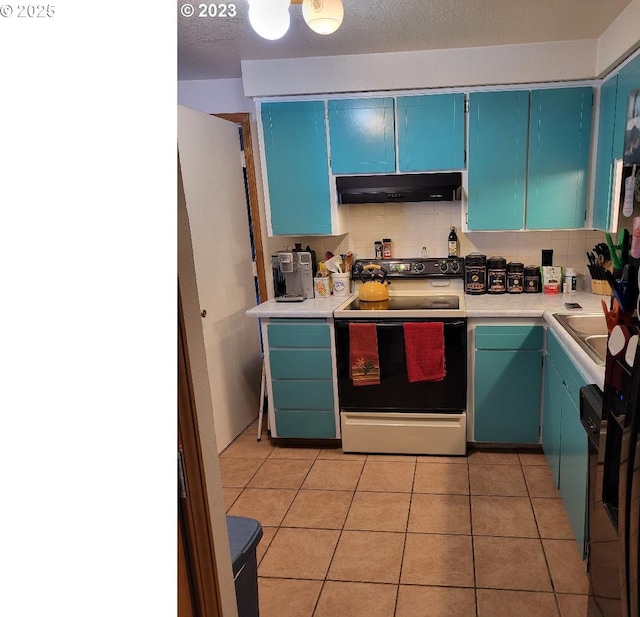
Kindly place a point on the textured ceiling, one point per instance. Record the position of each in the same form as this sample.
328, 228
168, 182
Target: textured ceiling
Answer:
212, 47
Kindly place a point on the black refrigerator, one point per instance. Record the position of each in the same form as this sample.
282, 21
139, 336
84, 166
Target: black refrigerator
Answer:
614, 486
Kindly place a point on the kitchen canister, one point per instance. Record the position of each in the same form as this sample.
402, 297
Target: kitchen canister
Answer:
532, 280
341, 283
515, 277
496, 275
475, 273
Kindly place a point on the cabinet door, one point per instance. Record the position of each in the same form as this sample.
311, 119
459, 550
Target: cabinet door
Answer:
573, 467
628, 81
295, 146
507, 390
559, 139
431, 132
554, 391
498, 124
604, 162
361, 133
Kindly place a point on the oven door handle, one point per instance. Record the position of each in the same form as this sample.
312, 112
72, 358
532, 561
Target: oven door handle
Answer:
396, 324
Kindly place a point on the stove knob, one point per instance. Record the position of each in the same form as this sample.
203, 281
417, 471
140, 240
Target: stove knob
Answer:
455, 266
419, 267
443, 266
358, 268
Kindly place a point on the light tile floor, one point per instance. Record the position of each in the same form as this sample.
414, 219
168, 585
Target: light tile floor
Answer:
405, 536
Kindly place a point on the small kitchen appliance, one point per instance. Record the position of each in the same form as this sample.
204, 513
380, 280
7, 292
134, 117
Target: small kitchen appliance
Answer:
292, 276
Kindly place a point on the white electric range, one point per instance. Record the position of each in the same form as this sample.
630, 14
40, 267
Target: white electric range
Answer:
396, 415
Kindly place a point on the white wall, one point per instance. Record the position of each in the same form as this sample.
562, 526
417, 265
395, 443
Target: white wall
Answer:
620, 39
505, 64
214, 96
414, 225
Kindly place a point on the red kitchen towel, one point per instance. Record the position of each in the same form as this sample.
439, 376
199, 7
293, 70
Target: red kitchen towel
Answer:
424, 349
364, 364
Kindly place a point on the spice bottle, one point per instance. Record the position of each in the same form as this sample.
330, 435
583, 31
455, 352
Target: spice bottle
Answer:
452, 242
570, 279
386, 248
377, 247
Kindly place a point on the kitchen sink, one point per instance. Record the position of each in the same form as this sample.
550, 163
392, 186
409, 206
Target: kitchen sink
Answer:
598, 342
584, 324
589, 331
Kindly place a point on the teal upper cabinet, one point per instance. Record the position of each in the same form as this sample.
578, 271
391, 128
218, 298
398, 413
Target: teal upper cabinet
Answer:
559, 141
628, 81
431, 132
528, 164
362, 137
604, 160
295, 146
498, 124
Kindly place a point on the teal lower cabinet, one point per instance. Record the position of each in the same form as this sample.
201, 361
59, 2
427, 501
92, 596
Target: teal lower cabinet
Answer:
564, 440
507, 384
300, 370
554, 390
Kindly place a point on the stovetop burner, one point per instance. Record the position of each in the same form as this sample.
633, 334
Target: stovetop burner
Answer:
409, 303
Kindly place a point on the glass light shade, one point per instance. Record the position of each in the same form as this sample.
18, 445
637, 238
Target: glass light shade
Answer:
323, 16
270, 21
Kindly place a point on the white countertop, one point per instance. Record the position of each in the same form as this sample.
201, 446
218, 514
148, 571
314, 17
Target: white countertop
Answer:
316, 307
530, 305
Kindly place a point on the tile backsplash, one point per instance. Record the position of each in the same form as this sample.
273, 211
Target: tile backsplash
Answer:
414, 225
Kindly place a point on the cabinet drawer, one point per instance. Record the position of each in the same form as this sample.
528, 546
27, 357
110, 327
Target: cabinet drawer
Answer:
509, 337
306, 424
299, 333
300, 363
303, 394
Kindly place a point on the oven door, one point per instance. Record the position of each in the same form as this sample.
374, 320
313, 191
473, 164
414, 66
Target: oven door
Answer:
395, 393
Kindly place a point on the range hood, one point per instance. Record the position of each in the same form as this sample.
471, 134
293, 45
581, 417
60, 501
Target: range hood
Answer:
383, 188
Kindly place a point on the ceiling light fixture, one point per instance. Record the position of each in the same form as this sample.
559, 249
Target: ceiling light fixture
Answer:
323, 16
270, 18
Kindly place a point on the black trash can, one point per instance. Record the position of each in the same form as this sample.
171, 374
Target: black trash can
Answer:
244, 535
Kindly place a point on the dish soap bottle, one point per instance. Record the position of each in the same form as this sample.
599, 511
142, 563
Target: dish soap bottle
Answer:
453, 242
